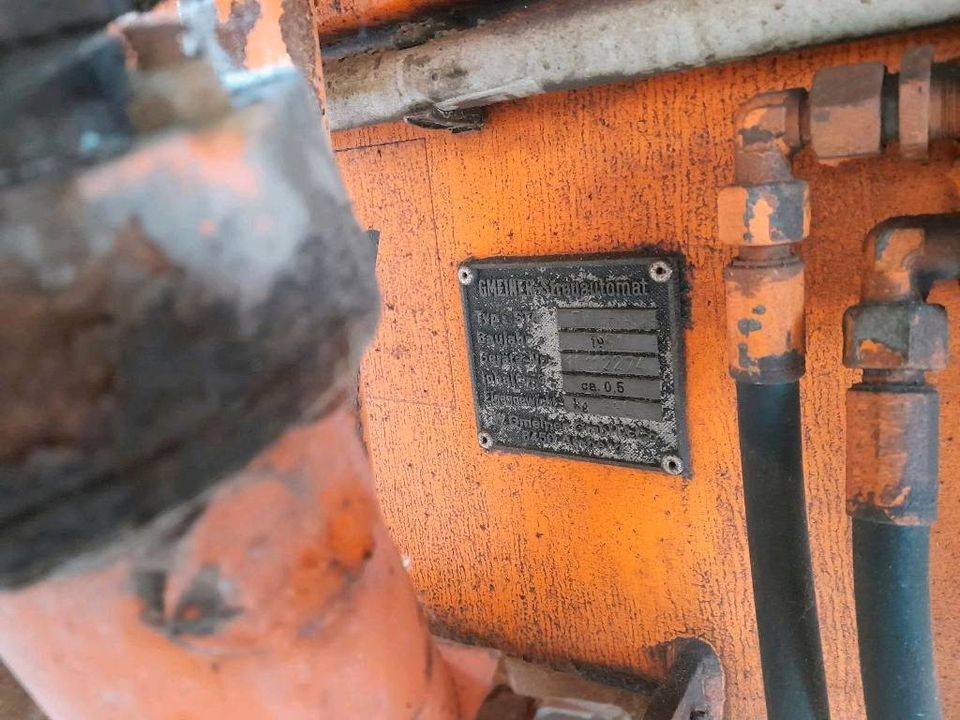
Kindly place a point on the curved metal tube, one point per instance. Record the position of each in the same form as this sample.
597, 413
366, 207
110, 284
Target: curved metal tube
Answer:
895, 337
565, 44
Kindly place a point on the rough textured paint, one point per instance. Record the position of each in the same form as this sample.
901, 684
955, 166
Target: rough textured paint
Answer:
572, 561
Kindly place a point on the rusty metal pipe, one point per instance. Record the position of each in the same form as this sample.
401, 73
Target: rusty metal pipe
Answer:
850, 112
281, 595
765, 215
895, 337
903, 257
562, 44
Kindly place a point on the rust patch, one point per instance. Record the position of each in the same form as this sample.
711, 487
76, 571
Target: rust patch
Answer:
764, 215
876, 354
203, 609
233, 33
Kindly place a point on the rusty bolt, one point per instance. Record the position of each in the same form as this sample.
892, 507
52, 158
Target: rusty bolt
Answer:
155, 42
895, 336
916, 76
171, 81
845, 112
759, 215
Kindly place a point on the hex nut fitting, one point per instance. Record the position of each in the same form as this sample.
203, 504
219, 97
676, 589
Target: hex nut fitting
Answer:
845, 112
892, 454
771, 116
764, 215
916, 79
895, 336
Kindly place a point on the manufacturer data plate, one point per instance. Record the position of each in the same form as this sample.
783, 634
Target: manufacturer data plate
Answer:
580, 357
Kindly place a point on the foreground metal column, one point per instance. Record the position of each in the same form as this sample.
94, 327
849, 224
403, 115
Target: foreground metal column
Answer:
183, 280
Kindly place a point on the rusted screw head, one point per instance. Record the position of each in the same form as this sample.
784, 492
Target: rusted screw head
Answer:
845, 112
895, 336
485, 440
172, 82
466, 275
157, 43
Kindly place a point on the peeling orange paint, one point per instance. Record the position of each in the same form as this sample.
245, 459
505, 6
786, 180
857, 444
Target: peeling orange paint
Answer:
565, 560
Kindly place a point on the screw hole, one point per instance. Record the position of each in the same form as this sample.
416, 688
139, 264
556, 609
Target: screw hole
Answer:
660, 271
672, 464
465, 275
485, 440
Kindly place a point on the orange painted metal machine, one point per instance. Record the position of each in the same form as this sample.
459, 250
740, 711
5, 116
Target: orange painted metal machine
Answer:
204, 517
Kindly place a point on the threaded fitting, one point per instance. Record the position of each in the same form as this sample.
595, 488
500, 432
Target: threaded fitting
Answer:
945, 102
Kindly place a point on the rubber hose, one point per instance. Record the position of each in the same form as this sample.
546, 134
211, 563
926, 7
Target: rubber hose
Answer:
772, 460
891, 572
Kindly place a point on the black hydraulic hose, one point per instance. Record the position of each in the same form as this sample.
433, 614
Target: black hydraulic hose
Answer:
891, 567
772, 461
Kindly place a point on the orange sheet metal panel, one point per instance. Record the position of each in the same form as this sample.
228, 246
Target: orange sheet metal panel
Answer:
559, 559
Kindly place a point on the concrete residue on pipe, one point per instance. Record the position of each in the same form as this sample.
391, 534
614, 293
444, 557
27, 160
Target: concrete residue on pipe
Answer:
565, 44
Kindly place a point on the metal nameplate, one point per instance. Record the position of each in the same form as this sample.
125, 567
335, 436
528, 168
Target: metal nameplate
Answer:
580, 357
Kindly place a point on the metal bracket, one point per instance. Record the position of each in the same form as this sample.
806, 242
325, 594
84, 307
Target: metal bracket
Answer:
456, 121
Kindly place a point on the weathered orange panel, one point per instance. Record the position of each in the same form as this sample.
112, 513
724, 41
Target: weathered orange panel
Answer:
336, 17
416, 280
559, 559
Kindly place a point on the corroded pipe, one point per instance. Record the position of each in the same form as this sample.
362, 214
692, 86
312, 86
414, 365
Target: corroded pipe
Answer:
850, 112
562, 44
764, 216
895, 337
